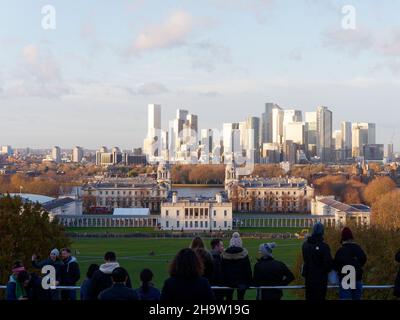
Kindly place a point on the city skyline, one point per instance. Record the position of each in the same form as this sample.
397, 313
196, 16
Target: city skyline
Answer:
86, 82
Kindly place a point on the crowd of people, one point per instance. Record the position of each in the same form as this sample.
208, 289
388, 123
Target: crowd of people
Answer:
195, 272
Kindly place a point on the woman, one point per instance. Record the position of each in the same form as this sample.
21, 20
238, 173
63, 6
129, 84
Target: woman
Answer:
15, 290
198, 246
86, 283
186, 282
147, 291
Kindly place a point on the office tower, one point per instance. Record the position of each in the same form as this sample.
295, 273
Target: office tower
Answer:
206, 140
56, 154
253, 139
362, 134
190, 130
231, 140
266, 123
103, 149
77, 154
390, 153
347, 142
152, 142
324, 133
292, 116
311, 133
7, 150
277, 125
295, 132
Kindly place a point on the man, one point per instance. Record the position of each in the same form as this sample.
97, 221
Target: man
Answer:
70, 274
118, 290
317, 264
101, 279
270, 272
217, 278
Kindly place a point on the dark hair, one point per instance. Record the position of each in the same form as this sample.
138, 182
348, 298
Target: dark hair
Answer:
197, 242
110, 256
215, 242
17, 264
66, 249
146, 276
23, 276
119, 275
91, 270
186, 264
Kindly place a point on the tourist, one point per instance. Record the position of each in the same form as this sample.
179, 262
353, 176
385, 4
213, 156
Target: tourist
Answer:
270, 272
396, 291
349, 254
101, 279
317, 264
86, 283
236, 268
28, 286
217, 248
14, 290
198, 246
70, 274
118, 289
186, 282
147, 291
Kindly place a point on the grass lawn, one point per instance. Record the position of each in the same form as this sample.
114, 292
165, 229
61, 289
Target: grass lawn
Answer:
133, 254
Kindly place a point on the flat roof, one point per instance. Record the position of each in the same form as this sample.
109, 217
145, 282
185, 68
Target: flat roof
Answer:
131, 212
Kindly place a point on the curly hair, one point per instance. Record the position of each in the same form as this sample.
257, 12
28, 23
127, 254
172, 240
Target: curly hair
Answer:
186, 264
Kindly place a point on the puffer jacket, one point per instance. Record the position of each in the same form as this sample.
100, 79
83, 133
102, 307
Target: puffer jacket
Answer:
236, 267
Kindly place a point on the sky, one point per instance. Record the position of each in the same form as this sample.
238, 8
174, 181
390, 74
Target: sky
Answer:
87, 80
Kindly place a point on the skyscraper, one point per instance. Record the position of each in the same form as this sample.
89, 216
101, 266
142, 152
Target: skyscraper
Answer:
347, 143
77, 154
253, 138
266, 123
152, 142
363, 134
311, 133
277, 125
56, 154
324, 133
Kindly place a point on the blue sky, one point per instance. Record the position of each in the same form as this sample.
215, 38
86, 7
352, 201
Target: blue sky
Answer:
88, 82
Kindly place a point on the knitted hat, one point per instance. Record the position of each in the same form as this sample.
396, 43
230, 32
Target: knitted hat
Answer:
235, 240
55, 252
347, 234
266, 249
318, 229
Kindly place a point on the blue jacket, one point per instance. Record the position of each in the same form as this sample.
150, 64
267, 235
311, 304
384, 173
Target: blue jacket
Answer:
153, 294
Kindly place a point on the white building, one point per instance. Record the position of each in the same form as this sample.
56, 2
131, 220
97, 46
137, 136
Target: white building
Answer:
277, 125
363, 133
152, 142
324, 133
295, 131
196, 214
7, 150
77, 154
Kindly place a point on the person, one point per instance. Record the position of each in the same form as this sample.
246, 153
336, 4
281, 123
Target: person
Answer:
101, 279
28, 286
217, 248
147, 291
70, 274
118, 290
14, 289
350, 253
236, 268
396, 291
270, 272
317, 263
198, 246
186, 282
86, 283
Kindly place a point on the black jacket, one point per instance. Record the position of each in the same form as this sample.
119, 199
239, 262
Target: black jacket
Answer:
187, 289
101, 280
118, 291
207, 263
217, 278
317, 261
270, 272
350, 254
70, 273
396, 291
236, 267
56, 264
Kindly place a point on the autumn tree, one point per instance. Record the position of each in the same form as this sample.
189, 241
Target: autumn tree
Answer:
386, 210
378, 188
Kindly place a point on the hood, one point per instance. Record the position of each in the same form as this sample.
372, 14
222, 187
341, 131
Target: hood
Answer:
72, 259
314, 239
108, 267
234, 253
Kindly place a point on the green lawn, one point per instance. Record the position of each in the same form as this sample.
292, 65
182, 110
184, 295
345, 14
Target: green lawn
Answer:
134, 254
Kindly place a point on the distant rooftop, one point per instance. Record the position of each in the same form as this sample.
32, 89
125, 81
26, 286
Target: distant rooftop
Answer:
131, 212
344, 207
33, 197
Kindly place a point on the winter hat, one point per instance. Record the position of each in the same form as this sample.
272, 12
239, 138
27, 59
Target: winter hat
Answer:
318, 229
266, 249
235, 240
55, 252
347, 234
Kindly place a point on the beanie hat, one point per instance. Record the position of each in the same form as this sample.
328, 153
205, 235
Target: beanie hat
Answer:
318, 229
55, 252
266, 249
347, 234
235, 240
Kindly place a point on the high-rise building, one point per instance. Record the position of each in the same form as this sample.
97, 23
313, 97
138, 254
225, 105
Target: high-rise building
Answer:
295, 132
56, 154
7, 150
389, 152
77, 154
266, 123
363, 133
347, 142
311, 133
253, 138
324, 133
277, 125
231, 140
292, 115
152, 142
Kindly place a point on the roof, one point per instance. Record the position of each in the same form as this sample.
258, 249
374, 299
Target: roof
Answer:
344, 207
57, 203
131, 212
33, 197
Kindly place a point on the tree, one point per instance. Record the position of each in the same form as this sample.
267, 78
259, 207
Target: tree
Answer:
377, 188
386, 211
25, 228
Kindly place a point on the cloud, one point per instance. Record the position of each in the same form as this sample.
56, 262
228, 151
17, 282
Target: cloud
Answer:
207, 55
147, 89
167, 34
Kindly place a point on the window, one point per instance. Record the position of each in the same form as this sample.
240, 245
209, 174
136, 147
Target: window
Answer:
186, 224
177, 224
225, 224
201, 224
177, 213
206, 224
196, 212
191, 224
206, 212
215, 213
196, 224
191, 212
186, 212
215, 224
225, 213
201, 212
166, 213
167, 224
